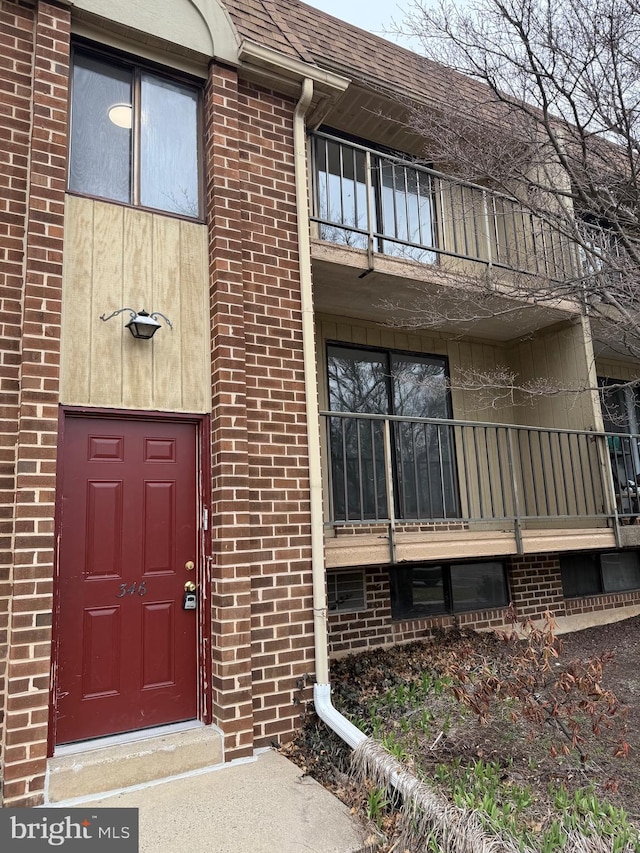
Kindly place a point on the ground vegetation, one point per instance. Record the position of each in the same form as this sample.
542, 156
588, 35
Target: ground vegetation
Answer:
530, 744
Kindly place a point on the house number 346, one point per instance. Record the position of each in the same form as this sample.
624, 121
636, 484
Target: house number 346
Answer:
132, 589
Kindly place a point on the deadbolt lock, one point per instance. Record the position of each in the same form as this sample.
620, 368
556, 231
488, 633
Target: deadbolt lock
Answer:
189, 565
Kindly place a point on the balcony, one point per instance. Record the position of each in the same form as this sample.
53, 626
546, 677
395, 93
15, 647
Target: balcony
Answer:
426, 489
367, 200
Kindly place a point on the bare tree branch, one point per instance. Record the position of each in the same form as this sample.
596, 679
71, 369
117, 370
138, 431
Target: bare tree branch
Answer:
548, 113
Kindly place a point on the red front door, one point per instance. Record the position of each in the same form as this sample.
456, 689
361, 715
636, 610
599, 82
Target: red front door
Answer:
127, 654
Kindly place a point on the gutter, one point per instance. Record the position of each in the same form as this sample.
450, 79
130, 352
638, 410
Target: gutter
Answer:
253, 55
322, 688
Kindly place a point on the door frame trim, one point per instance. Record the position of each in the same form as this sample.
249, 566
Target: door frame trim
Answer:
202, 424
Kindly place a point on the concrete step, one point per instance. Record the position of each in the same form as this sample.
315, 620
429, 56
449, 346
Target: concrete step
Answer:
109, 764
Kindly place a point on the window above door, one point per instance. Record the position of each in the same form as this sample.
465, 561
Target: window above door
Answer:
134, 136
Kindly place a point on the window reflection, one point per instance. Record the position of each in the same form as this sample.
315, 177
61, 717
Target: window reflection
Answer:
621, 415
406, 211
425, 590
128, 123
358, 382
372, 382
100, 149
595, 573
342, 193
168, 167
401, 202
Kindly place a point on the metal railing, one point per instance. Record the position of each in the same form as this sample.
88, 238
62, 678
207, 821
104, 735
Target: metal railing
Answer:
370, 200
395, 470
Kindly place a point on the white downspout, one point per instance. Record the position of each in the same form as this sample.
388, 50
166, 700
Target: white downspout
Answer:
321, 689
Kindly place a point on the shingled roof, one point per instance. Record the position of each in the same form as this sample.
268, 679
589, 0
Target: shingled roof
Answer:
302, 32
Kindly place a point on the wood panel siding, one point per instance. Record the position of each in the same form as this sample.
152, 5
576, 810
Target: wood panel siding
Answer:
116, 256
563, 357
623, 371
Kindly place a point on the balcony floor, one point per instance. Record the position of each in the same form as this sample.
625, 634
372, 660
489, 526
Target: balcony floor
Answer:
343, 285
348, 547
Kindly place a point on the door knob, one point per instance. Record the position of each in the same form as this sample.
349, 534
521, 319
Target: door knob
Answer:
189, 586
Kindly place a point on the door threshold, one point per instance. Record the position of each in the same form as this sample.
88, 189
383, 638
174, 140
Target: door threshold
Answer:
82, 746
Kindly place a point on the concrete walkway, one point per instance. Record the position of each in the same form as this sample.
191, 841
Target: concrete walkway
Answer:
264, 805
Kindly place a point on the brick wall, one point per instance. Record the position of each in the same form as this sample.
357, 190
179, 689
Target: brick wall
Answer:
599, 603
262, 594
16, 39
232, 546
282, 625
44, 33
534, 584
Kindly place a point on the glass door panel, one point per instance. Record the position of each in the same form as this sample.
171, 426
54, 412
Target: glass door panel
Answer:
359, 384
422, 455
425, 453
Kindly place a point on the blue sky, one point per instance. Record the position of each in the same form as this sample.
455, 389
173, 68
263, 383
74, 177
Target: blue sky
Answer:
372, 15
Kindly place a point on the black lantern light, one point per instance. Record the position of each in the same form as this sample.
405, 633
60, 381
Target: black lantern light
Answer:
142, 325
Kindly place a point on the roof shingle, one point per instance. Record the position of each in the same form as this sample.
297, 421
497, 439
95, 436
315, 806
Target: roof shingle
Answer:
302, 32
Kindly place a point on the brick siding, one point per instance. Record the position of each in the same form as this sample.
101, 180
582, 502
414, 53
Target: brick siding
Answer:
282, 605
599, 603
16, 38
232, 547
262, 591
534, 584
34, 183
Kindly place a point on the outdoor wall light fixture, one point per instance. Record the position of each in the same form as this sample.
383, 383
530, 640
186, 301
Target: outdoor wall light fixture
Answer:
141, 325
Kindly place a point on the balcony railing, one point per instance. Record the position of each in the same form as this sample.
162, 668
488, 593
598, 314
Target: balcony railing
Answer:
405, 471
369, 200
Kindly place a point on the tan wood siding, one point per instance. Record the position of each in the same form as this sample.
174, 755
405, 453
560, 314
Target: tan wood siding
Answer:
117, 256
564, 358
467, 359
622, 370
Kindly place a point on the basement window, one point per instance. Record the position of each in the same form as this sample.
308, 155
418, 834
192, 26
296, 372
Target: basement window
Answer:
434, 589
596, 573
346, 591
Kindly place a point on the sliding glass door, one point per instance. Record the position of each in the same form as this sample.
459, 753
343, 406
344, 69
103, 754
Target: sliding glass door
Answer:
410, 387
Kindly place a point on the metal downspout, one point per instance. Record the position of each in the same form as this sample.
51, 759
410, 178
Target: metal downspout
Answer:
321, 689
